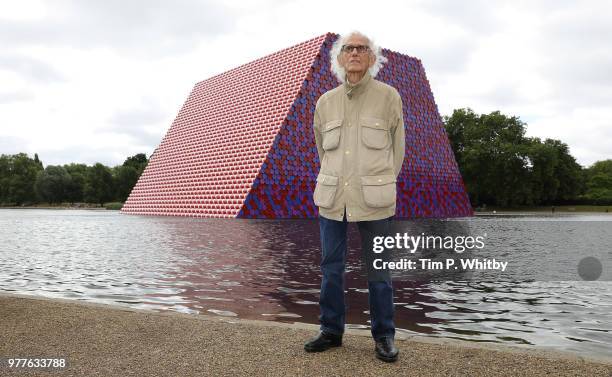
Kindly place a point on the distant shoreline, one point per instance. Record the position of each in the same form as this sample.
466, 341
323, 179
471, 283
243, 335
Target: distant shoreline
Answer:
63, 207
547, 209
48, 207
477, 211
89, 206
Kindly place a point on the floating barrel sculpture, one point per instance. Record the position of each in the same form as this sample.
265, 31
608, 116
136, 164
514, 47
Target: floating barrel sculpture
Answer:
242, 145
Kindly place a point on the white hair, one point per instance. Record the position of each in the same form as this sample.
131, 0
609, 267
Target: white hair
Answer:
336, 49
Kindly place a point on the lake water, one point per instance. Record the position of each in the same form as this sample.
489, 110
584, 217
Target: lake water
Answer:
268, 270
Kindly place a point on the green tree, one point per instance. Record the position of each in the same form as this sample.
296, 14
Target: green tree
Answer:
78, 175
501, 166
599, 182
601, 167
542, 180
492, 156
138, 161
567, 172
125, 178
21, 178
52, 184
127, 175
99, 185
5, 178
37, 161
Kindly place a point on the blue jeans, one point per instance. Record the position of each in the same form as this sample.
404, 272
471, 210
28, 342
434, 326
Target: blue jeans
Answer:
333, 261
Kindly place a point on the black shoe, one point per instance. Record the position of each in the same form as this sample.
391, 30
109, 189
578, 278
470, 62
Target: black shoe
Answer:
385, 349
322, 342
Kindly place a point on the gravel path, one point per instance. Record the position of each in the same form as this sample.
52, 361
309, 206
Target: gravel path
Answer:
101, 340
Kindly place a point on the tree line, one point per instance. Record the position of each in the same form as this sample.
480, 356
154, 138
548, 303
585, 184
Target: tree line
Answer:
24, 181
501, 166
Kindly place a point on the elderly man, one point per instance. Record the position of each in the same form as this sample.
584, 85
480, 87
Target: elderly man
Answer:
360, 138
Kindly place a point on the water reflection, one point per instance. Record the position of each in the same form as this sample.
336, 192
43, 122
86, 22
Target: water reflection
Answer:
267, 269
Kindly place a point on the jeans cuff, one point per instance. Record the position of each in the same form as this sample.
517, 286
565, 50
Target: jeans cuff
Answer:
378, 337
330, 331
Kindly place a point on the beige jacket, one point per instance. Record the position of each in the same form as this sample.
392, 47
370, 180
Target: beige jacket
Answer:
360, 137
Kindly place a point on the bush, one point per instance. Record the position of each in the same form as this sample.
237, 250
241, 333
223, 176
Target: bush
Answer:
113, 205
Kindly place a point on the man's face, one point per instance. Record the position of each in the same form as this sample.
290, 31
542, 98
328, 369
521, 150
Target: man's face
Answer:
354, 61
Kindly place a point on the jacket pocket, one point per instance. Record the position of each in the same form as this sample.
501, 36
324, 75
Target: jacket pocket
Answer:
331, 134
325, 190
379, 190
375, 133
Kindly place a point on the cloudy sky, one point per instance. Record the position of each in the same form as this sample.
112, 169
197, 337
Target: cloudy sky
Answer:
99, 80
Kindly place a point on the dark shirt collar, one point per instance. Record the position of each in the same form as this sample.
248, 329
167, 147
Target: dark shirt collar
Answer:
355, 89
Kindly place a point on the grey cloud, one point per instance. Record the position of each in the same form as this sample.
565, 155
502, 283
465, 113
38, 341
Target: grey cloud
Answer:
16, 96
451, 57
13, 145
51, 156
138, 27
476, 16
135, 123
140, 136
88, 154
571, 44
30, 68
575, 27
584, 81
503, 95
144, 115
574, 49
587, 152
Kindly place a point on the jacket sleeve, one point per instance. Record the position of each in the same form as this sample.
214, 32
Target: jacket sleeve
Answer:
317, 134
399, 137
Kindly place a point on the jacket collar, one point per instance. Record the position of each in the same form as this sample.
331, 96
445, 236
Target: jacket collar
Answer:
355, 89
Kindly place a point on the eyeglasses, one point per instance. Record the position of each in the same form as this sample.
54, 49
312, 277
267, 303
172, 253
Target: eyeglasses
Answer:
360, 49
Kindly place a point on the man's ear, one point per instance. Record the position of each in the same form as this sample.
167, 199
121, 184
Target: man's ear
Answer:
340, 60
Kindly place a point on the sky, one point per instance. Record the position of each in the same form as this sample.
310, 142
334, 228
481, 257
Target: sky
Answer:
100, 80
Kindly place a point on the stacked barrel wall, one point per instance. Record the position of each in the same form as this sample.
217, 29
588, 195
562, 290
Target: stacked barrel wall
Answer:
243, 146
